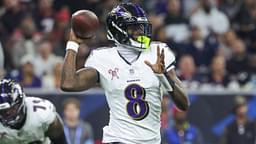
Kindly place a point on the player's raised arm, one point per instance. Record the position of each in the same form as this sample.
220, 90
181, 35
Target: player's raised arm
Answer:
84, 24
56, 132
170, 81
71, 79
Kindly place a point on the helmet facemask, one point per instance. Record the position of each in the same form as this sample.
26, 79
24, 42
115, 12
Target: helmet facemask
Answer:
13, 116
139, 35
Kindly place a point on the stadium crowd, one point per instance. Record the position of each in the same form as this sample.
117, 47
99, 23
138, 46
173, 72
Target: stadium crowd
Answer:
214, 40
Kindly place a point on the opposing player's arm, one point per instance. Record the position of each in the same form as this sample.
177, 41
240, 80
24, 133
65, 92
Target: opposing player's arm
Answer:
71, 79
55, 132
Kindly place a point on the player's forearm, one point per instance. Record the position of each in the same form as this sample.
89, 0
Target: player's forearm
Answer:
55, 131
68, 76
179, 96
178, 93
61, 139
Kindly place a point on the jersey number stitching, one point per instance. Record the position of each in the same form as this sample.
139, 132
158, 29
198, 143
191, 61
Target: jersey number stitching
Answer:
36, 107
137, 107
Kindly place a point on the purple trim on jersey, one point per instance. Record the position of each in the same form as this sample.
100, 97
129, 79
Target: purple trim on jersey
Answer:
171, 64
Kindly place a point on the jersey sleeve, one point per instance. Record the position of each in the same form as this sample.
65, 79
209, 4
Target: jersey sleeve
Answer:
47, 116
169, 58
93, 60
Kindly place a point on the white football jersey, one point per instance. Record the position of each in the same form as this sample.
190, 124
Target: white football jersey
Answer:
133, 94
40, 114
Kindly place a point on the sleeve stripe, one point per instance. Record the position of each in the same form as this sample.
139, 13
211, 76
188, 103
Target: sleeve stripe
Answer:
170, 65
98, 74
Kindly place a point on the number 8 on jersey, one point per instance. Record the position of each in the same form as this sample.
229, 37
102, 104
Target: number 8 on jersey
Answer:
137, 107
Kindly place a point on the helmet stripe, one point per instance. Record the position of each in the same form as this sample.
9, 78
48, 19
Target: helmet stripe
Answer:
139, 11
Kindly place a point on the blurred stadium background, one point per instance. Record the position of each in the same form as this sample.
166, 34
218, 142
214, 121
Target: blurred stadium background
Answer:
214, 42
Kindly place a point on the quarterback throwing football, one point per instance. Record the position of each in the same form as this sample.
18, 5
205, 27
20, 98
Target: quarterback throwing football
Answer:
27, 120
132, 74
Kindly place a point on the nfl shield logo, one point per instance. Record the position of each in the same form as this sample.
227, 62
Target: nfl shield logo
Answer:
131, 71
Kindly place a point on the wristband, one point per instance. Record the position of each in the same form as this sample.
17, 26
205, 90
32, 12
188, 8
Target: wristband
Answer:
71, 45
164, 81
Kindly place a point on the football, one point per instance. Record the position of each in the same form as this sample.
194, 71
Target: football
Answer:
84, 23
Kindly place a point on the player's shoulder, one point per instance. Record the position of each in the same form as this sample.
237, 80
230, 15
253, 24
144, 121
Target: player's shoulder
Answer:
40, 109
102, 50
37, 100
154, 44
162, 45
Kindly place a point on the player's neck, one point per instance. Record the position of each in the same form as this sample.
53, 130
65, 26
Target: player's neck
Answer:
128, 53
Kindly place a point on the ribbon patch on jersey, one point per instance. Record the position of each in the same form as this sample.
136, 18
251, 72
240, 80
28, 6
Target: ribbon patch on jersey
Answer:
113, 73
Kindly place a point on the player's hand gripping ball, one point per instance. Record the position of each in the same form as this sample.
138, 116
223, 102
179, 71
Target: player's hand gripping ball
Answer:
84, 24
